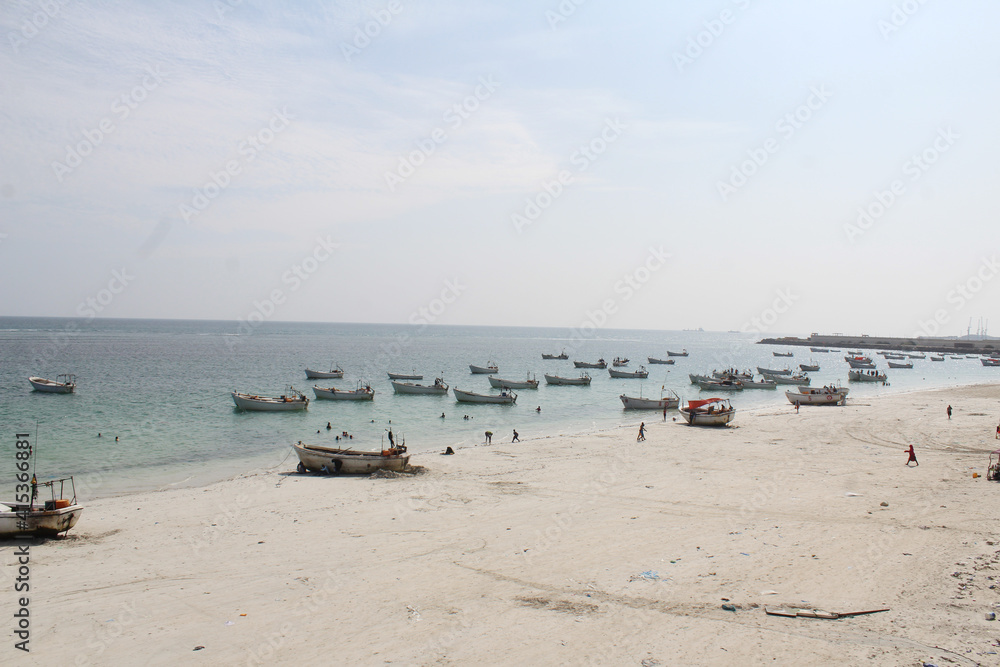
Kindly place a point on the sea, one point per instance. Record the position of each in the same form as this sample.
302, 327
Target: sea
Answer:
153, 406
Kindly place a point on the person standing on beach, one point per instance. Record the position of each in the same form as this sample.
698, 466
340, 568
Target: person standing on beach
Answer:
998, 432
516, 439
949, 412
665, 416
642, 432
489, 437
913, 457
796, 407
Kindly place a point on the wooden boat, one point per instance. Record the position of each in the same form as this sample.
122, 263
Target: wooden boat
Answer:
365, 393
721, 385
788, 379
47, 518
620, 362
586, 364
584, 379
490, 367
439, 388
661, 403
562, 355
505, 397
640, 373
809, 367
772, 371
405, 376
783, 354
528, 383
65, 383
897, 364
654, 360
708, 412
349, 461
290, 401
990, 361
335, 372
830, 395
861, 376
682, 353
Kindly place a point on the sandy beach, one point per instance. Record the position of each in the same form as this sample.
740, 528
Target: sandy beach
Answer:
567, 550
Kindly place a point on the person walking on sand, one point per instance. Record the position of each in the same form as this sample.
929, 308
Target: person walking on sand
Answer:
913, 457
516, 439
949, 412
665, 415
642, 432
489, 437
796, 407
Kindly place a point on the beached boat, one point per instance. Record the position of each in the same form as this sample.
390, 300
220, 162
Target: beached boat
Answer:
708, 412
490, 367
41, 518
640, 373
334, 373
773, 371
783, 354
505, 396
831, 395
661, 403
990, 361
619, 362
64, 383
721, 385
405, 376
898, 364
682, 353
862, 376
561, 355
654, 360
584, 379
809, 367
289, 401
313, 458
362, 393
600, 363
787, 379
528, 383
439, 388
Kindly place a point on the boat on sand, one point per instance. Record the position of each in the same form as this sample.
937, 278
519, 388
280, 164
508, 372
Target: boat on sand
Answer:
47, 518
313, 458
708, 412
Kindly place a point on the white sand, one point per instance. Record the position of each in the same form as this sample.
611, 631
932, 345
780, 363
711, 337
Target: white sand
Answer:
533, 553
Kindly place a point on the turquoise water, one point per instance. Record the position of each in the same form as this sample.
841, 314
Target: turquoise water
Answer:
162, 387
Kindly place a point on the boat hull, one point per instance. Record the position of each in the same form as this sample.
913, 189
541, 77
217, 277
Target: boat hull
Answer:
332, 394
640, 375
788, 379
857, 376
587, 364
347, 461
323, 375
472, 397
715, 385
556, 380
483, 370
513, 384
263, 404
409, 388
654, 360
39, 522
404, 376
772, 371
633, 403
705, 419
819, 398
807, 367
893, 364
51, 387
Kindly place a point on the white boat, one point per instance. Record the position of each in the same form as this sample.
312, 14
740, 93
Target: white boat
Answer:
809, 367
490, 367
47, 518
64, 383
732, 374
708, 412
334, 373
620, 362
654, 360
721, 385
405, 376
562, 355
862, 376
956, 356
505, 397
858, 358
894, 356
933, 358
349, 461
439, 388
682, 353
365, 393
788, 379
695, 378
897, 364
529, 383
818, 349
783, 354
831, 395
990, 361
584, 379
661, 403
861, 363
292, 400
772, 371
917, 356
764, 383
586, 364
640, 373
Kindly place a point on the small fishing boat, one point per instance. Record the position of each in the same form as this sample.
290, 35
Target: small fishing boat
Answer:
654, 360
831, 395
47, 518
708, 412
783, 354
861, 362
362, 393
528, 383
957, 356
505, 396
862, 376
787, 379
933, 358
809, 367
990, 361
893, 356
490, 367
584, 379
586, 364
405, 376
773, 371
313, 458
335, 372
640, 373
682, 353
562, 355
289, 401
695, 378
763, 383
65, 383
721, 385
818, 349
900, 364
661, 403
619, 362
439, 388
917, 356
732, 374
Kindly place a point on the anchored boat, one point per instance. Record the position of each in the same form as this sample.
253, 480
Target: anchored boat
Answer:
290, 401
365, 393
439, 388
334, 372
584, 379
64, 383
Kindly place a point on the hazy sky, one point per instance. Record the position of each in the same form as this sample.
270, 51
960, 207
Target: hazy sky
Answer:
658, 165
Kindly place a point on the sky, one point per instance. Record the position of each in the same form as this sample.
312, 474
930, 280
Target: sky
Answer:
770, 166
